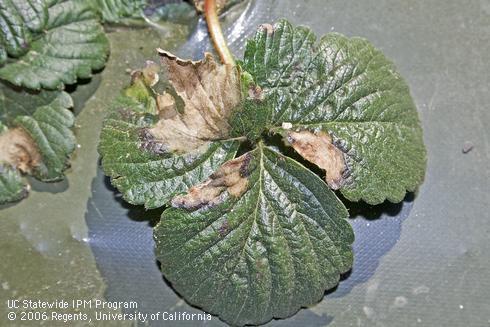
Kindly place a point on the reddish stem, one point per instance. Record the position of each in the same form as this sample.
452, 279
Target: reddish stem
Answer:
214, 27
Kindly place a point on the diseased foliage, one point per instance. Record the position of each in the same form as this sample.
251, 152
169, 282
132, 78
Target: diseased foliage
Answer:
46, 44
38, 143
262, 252
43, 45
349, 90
143, 142
209, 92
259, 236
318, 149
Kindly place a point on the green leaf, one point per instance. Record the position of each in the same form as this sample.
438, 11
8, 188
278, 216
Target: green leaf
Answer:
17, 20
50, 128
71, 46
14, 35
179, 13
263, 253
250, 119
12, 186
348, 89
3, 53
39, 139
16, 101
113, 11
34, 13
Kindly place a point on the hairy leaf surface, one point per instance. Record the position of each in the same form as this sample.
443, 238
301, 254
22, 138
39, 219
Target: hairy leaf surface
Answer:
260, 239
349, 90
71, 45
18, 20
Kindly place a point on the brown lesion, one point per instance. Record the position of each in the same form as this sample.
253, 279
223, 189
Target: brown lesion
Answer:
268, 28
255, 93
319, 149
18, 149
149, 74
150, 144
230, 178
209, 92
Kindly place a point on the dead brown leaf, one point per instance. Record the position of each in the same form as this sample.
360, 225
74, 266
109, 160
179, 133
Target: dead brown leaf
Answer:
209, 91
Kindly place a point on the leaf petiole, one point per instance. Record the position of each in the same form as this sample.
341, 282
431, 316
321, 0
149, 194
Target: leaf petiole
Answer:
214, 27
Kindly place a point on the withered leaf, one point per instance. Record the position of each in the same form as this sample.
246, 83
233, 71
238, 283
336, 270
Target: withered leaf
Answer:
210, 92
18, 150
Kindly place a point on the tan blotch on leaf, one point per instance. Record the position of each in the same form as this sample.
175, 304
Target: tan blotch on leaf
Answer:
267, 27
318, 149
17, 149
149, 74
209, 91
232, 177
166, 106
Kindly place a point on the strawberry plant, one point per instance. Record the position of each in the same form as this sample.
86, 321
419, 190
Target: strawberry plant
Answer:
250, 232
